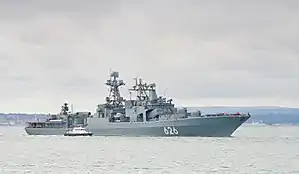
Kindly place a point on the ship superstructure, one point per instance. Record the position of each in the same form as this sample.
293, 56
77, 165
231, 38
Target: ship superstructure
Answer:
146, 107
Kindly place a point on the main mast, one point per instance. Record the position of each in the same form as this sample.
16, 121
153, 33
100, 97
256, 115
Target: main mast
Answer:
114, 99
64, 109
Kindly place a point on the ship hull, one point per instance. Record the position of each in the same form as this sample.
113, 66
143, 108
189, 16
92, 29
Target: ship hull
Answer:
78, 134
223, 126
45, 131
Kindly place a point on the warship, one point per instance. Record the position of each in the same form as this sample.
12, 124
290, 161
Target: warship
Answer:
58, 124
146, 115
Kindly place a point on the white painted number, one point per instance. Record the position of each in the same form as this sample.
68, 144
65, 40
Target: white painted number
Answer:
166, 131
171, 131
175, 131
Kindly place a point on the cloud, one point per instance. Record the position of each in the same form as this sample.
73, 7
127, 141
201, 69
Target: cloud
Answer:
200, 52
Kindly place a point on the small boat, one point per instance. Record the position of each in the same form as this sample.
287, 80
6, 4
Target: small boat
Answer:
78, 131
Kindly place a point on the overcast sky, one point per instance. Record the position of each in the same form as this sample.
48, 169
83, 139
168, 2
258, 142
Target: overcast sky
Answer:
197, 52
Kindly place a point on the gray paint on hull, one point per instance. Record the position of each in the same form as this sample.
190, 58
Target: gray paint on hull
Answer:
197, 126
45, 131
209, 127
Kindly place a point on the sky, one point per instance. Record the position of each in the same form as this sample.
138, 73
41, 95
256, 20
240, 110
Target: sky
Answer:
199, 53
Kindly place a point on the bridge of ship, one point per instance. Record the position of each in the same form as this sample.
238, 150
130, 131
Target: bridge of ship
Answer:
77, 119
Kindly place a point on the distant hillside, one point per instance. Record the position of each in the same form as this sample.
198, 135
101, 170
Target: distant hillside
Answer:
19, 118
263, 114
266, 115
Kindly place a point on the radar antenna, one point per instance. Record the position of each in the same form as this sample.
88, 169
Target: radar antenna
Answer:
114, 99
64, 109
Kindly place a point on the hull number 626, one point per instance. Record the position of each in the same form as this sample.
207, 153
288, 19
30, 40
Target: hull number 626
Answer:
171, 131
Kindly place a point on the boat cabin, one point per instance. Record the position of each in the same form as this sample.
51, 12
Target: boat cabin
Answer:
36, 124
47, 124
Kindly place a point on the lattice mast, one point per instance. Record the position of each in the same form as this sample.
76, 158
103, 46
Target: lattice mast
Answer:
141, 89
114, 99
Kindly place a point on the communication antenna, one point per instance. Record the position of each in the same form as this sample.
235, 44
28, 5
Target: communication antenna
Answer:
72, 108
165, 92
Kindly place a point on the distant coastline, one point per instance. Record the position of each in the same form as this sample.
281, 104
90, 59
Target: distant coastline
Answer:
269, 115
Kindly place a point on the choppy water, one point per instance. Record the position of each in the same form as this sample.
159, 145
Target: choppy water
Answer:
253, 149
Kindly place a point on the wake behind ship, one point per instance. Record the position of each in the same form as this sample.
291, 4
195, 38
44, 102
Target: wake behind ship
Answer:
146, 115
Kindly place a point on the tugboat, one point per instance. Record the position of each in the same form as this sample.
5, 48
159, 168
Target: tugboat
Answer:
78, 131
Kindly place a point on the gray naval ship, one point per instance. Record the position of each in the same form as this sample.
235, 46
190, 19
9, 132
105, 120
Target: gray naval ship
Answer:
146, 115
57, 124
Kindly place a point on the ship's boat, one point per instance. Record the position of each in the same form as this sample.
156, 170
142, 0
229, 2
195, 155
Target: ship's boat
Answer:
78, 131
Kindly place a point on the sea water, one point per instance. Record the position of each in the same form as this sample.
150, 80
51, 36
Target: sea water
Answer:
251, 149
